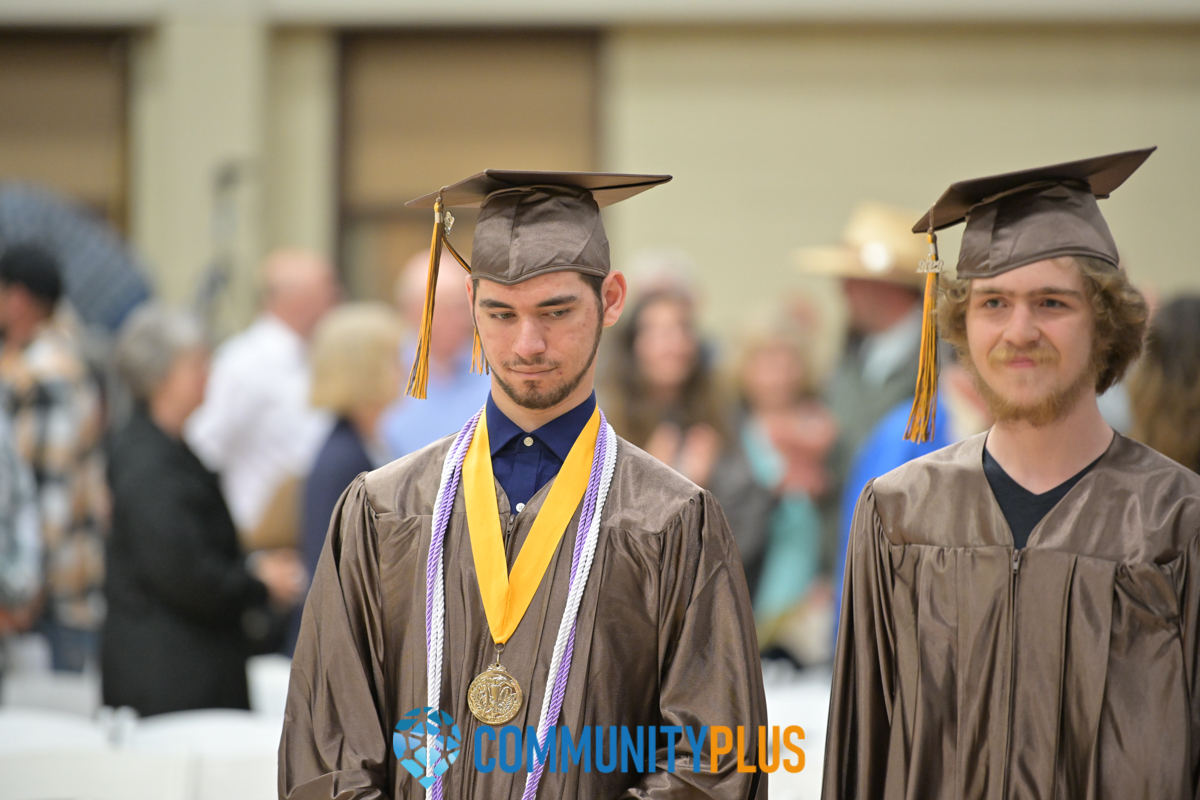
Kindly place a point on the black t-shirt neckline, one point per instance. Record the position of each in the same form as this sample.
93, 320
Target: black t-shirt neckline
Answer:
1022, 508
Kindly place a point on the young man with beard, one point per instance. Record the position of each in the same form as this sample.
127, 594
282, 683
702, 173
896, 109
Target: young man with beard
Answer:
1022, 610
532, 571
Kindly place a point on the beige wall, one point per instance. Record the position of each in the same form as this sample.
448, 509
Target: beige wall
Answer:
213, 91
300, 151
773, 135
197, 106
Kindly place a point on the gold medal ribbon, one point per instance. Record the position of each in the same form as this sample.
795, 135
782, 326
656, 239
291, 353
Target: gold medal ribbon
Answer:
506, 597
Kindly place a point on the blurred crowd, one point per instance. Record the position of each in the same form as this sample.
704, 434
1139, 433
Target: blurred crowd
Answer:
164, 503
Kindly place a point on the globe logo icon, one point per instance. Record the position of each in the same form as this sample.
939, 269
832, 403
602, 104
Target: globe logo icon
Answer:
415, 749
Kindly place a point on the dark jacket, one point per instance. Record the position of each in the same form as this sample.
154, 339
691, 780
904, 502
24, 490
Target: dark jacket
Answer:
343, 458
183, 611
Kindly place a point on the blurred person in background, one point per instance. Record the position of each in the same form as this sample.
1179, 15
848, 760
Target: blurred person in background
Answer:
256, 428
783, 436
57, 424
667, 398
185, 609
356, 375
454, 392
1164, 390
20, 540
662, 392
876, 262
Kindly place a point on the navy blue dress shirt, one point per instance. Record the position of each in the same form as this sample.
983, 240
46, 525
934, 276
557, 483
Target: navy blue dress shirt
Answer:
524, 462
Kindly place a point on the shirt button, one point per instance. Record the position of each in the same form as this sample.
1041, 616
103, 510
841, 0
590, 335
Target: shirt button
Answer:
528, 441
520, 507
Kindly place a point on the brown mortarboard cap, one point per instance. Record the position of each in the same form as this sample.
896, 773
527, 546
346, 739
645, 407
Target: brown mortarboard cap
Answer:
1022, 217
530, 224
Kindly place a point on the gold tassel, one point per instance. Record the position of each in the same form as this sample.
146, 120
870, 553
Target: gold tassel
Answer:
418, 376
478, 361
922, 418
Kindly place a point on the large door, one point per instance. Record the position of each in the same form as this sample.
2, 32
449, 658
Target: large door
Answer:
421, 110
63, 116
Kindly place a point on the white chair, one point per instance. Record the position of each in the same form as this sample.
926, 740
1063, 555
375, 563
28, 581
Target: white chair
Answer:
268, 677
234, 752
109, 774
53, 755
77, 693
800, 699
26, 731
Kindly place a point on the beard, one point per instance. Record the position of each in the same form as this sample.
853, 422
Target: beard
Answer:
1046, 410
534, 399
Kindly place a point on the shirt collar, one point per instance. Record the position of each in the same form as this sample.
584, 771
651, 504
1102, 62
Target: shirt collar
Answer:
559, 434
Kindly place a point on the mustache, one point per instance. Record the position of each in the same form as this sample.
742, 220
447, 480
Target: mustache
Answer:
1039, 354
537, 361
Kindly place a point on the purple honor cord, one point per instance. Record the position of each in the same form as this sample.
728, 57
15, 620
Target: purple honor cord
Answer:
581, 540
603, 461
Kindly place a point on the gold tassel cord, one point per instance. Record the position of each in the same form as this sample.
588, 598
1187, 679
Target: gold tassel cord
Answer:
479, 363
923, 417
418, 377
461, 261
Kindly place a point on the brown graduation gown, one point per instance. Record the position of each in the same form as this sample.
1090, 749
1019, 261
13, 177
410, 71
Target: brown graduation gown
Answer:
665, 636
1066, 670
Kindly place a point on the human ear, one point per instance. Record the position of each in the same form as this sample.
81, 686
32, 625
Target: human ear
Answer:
613, 293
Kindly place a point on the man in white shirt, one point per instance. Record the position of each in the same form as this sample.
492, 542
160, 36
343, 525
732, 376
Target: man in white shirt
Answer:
256, 427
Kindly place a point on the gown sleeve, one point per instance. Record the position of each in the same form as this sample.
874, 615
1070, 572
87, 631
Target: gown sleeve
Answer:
860, 707
335, 741
709, 669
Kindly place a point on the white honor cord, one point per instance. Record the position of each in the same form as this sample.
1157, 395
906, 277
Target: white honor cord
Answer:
433, 674
575, 595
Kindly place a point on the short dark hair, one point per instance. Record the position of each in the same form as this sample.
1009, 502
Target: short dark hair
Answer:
594, 281
35, 269
1119, 308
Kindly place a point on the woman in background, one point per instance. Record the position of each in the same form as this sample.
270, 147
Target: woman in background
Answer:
662, 392
1164, 391
784, 435
184, 609
356, 375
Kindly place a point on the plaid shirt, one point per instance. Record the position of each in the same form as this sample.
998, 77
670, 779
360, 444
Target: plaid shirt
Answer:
20, 534
57, 424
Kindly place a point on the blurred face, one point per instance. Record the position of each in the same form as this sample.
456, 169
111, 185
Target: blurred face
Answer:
19, 308
452, 324
301, 288
182, 390
874, 306
665, 346
770, 377
1030, 335
540, 336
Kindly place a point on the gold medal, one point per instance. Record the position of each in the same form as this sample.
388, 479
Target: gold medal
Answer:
494, 697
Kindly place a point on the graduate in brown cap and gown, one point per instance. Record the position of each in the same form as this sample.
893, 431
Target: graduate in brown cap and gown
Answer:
1021, 616
534, 569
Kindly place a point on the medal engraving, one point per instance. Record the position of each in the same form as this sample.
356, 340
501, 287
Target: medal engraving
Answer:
494, 697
